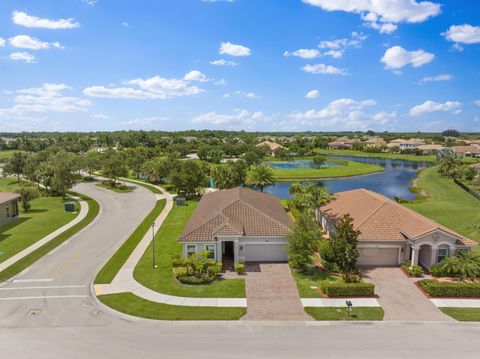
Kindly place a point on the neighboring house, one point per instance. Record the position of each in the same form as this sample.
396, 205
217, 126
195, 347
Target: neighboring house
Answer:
238, 225
8, 207
390, 232
474, 143
272, 147
342, 143
466, 151
406, 144
375, 142
430, 149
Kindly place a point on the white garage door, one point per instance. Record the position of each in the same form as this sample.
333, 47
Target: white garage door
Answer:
378, 256
271, 252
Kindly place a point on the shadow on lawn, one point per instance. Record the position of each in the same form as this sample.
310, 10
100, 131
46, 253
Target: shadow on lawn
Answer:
10, 226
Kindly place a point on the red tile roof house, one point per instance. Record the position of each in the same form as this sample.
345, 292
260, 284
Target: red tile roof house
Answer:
272, 147
390, 232
8, 207
238, 225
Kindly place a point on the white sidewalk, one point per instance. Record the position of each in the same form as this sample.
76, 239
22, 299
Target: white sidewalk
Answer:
340, 302
456, 302
83, 213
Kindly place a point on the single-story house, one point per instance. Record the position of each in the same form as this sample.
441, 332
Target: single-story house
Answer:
474, 143
390, 232
272, 147
476, 166
375, 142
339, 144
406, 144
238, 225
8, 207
430, 149
466, 151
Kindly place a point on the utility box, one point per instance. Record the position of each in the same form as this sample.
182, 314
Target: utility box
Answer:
180, 201
70, 207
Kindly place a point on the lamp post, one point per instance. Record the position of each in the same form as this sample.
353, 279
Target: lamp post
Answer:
153, 246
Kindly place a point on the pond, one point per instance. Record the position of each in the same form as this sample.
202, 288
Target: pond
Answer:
394, 181
284, 165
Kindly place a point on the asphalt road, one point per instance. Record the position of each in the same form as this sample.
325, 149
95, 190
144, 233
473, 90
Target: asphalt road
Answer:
48, 312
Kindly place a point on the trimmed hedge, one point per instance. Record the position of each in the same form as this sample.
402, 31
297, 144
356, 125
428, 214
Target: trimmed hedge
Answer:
339, 289
449, 289
412, 271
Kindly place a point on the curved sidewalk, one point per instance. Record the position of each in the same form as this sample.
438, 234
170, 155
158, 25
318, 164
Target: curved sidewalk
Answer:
124, 281
83, 213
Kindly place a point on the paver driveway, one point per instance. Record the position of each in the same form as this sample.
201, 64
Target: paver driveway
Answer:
272, 293
400, 298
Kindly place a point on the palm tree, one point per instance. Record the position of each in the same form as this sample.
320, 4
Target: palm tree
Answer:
463, 265
260, 176
309, 196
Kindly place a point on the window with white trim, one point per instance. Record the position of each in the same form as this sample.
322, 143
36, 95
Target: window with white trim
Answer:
191, 250
210, 248
442, 253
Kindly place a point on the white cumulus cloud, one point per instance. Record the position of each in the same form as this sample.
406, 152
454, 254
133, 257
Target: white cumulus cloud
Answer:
238, 119
32, 43
324, 69
441, 77
304, 53
432, 106
2, 42
464, 34
23, 19
397, 57
383, 15
312, 94
223, 62
195, 75
227, 48
22, 56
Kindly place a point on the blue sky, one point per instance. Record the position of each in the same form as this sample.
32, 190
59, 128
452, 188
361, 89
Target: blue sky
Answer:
289, 65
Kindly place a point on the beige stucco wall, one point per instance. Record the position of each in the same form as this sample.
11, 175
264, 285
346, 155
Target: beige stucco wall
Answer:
8, 212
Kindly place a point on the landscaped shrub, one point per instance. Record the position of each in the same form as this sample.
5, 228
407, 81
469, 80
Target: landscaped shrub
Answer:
351, 277
195, 280
177, 261
450, 289
240, 268
332, 267
214, 269
436, 270
412, 271
179, 271
339, 289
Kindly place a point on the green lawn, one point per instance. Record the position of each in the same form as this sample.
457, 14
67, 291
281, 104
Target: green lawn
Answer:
144, 184
447, 203
331, 313
463, 314
393, 156
352, 169
129, 303
17, 267
121, 189
110, 270
162, 280
306, 282
46, 216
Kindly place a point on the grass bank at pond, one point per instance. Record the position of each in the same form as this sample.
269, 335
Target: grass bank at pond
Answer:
162, 280
46, 216
129, 303
392, 156
93, 209
358, 313
351, 168
447, 203
110, 270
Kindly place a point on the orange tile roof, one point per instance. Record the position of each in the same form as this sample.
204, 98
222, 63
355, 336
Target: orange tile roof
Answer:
380, 218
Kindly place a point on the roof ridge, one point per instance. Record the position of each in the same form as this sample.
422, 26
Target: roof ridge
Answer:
264, 214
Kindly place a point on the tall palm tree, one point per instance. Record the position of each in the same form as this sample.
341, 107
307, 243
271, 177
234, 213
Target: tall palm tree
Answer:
260, 176
310, 196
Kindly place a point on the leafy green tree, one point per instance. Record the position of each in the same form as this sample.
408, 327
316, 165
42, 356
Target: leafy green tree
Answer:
156, 169
231, 175
303, 242
319, 161
188, 177
114, 166
27, 194
16, 165
260, 176
65, 167
469, 173
344, 245
91, 162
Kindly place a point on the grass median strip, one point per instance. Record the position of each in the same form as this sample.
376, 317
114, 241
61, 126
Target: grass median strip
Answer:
359, 313
110, 270
131, 304
144, 184
93, 209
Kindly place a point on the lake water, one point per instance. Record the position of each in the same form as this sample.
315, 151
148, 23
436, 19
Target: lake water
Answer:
395, 180
297, 164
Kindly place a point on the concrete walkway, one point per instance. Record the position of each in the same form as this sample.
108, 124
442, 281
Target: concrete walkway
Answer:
456, 302
340, 302
124, 281
272, 293
83, 213
400, 298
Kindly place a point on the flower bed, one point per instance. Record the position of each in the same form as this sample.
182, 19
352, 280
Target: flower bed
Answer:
435, 288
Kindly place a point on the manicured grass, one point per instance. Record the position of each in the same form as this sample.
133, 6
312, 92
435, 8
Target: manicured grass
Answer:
17, 267
110, 270
129, 303
46, 216
162, 280
122, 189
305, 282
144, 184
353, 169
358, 313
447, 203
393, 156
463, 314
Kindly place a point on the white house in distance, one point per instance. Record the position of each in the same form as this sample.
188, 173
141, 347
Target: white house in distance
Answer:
238, 225
406, 144
390, 232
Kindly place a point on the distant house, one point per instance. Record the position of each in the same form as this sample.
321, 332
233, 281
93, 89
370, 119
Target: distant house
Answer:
390, 232
272, 147
430, 149
8, 207
474, 143
238, 225
466, 151
375, 142
406, 144
342, 143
